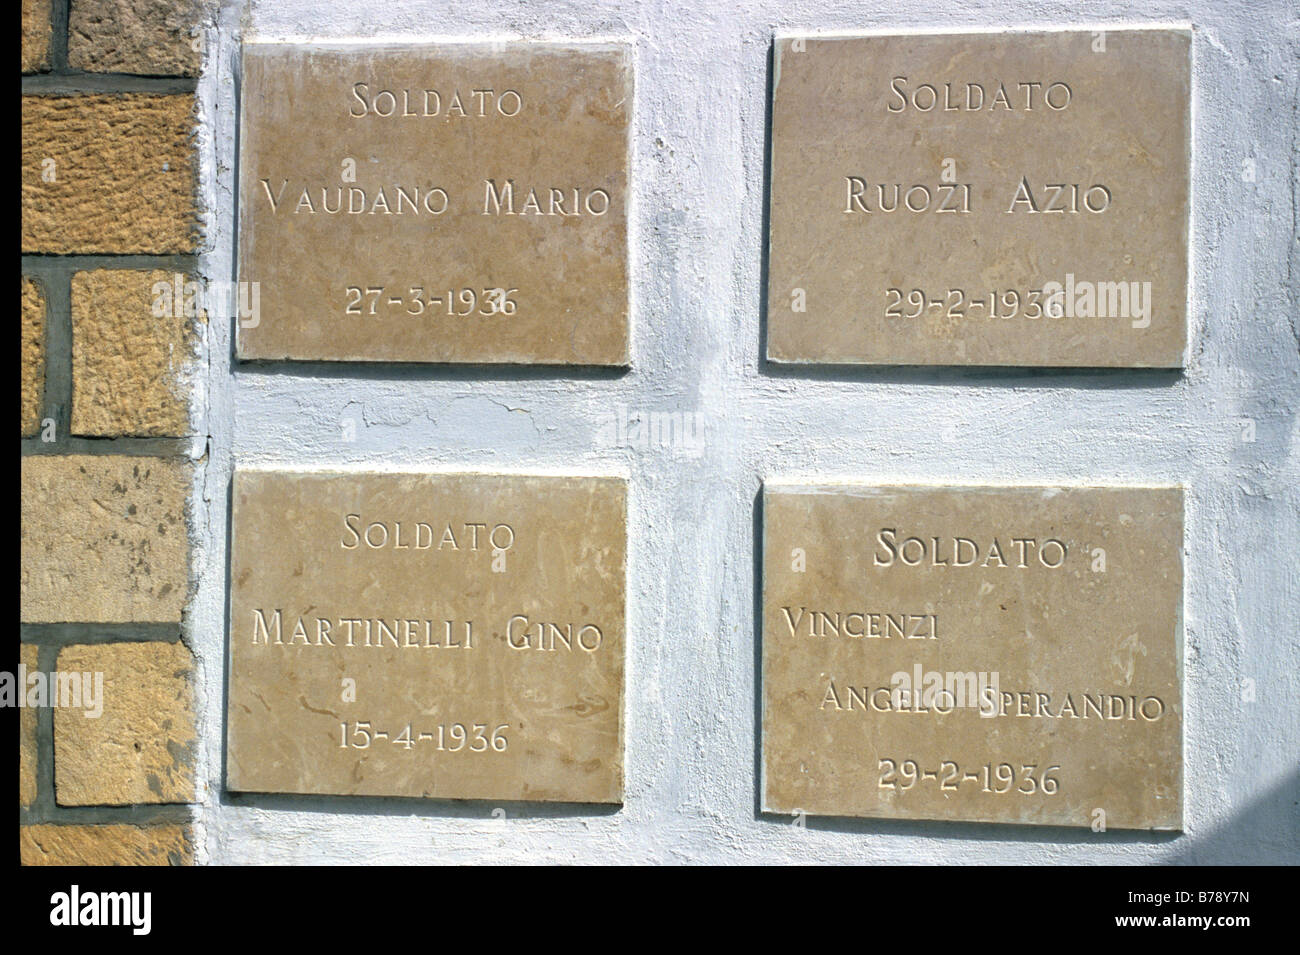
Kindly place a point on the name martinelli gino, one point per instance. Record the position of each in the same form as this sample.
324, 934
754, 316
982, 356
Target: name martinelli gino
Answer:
420, 631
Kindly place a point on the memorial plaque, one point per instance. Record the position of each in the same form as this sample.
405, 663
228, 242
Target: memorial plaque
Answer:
1015, 198
434, 203
444, 635
983, 654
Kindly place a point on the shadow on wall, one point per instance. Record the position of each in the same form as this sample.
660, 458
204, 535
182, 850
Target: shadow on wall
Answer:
1265, 832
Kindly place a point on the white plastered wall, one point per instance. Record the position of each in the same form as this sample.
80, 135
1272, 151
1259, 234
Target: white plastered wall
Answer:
696, 253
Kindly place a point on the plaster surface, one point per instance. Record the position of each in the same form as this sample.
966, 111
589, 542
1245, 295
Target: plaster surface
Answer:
1224, 428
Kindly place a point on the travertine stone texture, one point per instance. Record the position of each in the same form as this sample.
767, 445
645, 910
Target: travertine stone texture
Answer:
104, 539
167, 844
27, 734
33, 356
111, 173
928, 190
436, 203
140, 749
36, 36
147, 37
132, 353
983, 654
441, 635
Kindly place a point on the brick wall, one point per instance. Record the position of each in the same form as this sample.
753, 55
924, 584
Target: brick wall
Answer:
109, 218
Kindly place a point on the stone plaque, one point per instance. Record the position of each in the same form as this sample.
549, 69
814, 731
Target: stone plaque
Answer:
981, 199
435, 203
443, 635
983, 654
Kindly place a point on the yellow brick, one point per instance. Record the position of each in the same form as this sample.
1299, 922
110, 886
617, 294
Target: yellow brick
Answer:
140, 749
33, 361
27, 736
111, 173
130, 367
36, 36
147, 37
105, 845
104, 539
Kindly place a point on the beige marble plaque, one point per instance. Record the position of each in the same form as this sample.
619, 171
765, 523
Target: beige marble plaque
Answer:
980, 199
435, 203
980, 653
444, 635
